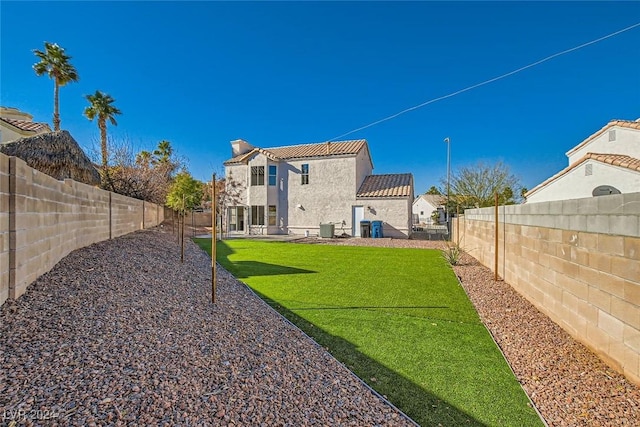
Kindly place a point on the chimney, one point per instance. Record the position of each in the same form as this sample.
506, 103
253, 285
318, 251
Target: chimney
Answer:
240, 146
328, 147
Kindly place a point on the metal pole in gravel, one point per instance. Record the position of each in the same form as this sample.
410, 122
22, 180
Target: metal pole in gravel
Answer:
495, 265
213, 239
182, 232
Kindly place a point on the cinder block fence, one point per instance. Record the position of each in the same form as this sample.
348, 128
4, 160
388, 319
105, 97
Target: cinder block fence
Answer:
43, 219
577, 261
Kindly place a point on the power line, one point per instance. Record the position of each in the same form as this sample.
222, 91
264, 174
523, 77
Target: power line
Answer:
533, 64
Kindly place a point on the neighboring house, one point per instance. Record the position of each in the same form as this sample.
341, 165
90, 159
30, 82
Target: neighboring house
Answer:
293, 189
607, 162
424, 206
15, 124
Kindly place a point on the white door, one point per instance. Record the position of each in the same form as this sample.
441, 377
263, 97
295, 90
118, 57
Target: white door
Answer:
358, 215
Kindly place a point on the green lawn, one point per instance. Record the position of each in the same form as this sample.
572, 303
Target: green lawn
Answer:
396, 317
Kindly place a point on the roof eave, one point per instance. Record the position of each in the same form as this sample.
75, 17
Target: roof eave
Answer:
19, 130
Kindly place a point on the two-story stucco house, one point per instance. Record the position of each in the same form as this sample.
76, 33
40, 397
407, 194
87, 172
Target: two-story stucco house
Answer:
607, 162
294, 189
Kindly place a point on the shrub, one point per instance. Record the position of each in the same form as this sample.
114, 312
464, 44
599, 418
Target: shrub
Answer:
452, 253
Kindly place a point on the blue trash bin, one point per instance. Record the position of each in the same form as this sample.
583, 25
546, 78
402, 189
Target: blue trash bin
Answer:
376, 229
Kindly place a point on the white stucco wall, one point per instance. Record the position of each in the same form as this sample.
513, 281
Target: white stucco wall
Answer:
240, 146
238, 173
627, 142
328, 197
395, 213
257, 194
364, 167
421, 205
575, 185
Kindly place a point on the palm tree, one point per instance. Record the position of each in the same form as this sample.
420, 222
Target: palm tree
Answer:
143, 159
163, 152
102, 108
55, 63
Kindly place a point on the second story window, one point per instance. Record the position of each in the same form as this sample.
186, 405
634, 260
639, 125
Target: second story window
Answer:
257, 175
305, 174
273, 171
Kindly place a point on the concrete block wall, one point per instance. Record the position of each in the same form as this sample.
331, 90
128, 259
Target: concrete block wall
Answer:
126, 215
200, 219
153, 214
43, 219
577, 261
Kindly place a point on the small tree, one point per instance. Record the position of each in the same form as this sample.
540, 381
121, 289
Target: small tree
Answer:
433, 190
475, 186
184, 195
136, 175
228, 192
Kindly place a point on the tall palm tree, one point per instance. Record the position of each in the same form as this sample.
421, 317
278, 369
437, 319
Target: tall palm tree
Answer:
102, 108
55, 63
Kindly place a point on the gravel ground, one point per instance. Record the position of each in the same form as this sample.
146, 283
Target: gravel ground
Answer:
121, 333
568, 383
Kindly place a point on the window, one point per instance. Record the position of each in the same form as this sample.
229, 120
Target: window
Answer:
273, 170
257, 215
272, 214
588, 169
612, 135
257, 175
236, 218
421, 213
305, 174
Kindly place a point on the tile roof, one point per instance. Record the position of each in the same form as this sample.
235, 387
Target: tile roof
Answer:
390, 185
616, 160
433, 199
319, 150
323, 149
27, 125
630, 124
611, 159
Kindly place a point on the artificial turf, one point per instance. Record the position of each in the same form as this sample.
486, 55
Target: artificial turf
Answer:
398, 318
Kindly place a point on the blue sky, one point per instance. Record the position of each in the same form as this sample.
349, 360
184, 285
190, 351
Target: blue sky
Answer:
201, 74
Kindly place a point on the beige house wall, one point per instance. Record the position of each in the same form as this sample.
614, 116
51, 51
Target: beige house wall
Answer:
45, 219
9, 134
577, 261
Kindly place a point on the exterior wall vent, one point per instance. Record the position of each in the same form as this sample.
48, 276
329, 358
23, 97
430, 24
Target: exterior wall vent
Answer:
612, 135
588, 169
604, 190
